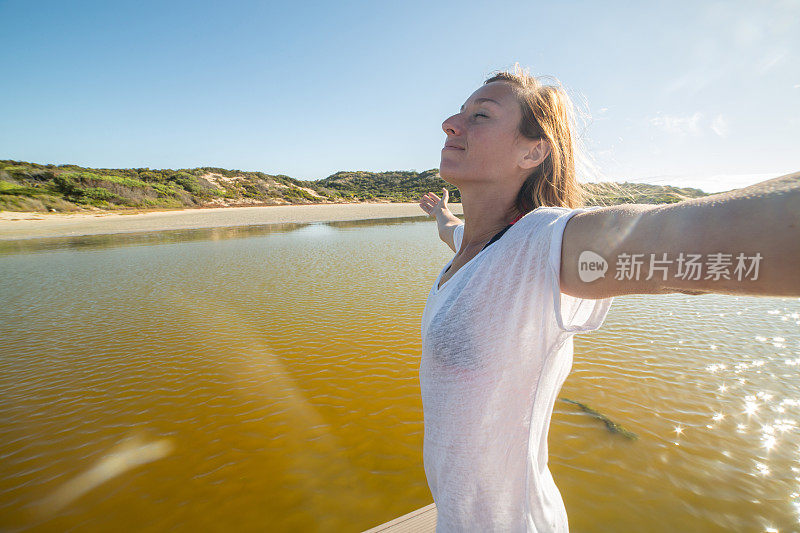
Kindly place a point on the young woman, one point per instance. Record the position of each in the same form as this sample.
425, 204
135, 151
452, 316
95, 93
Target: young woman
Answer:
531, 269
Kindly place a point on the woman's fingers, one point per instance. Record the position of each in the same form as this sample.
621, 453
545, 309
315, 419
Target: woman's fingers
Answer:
427, 203
430, 201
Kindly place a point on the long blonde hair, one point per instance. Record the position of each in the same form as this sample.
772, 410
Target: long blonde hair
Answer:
547, 112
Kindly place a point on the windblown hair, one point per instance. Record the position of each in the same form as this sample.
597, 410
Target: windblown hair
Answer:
547, 112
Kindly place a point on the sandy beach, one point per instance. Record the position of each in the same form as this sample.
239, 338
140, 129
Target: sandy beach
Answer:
19, 225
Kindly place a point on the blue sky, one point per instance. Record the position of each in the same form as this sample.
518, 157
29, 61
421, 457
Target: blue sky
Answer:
687, 93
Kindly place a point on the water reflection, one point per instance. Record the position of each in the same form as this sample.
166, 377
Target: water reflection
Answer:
275, 368
133, 451
116, 240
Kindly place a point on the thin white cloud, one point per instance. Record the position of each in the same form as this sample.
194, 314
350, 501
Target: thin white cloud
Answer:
695, 79
757, 35
720, 126
771, 58
601, 114
748, 33
679, 125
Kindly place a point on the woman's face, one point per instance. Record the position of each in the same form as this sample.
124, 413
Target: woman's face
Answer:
483, 140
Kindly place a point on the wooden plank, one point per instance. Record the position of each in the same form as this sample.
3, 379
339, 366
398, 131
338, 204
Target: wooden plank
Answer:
422, 520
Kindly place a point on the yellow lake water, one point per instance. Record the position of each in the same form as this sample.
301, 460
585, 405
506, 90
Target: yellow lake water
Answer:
265, 378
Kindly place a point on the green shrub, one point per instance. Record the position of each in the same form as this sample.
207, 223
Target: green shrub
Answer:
67, 186
101, 196
252, 192
189, 183
18, 190
163, 189
86, 176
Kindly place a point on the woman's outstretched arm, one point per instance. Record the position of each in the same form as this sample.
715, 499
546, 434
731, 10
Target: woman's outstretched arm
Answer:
744, 242
445, 220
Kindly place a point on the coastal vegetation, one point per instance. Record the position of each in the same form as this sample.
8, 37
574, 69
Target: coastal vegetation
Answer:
70, 188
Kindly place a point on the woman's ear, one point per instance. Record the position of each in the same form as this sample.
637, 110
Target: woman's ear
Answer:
538, 151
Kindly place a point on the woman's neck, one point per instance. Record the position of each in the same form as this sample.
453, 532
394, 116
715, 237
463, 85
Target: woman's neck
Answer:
485, 217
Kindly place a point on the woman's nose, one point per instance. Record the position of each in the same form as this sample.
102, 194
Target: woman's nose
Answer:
450, 126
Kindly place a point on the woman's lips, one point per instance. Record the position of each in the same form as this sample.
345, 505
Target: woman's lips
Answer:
451, 148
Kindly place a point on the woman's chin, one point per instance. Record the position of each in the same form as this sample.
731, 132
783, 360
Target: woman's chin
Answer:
446, 167
447, 176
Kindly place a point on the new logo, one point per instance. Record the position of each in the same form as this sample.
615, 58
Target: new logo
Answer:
591, 266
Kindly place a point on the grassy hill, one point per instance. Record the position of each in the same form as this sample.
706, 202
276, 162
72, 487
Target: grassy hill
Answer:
64, 188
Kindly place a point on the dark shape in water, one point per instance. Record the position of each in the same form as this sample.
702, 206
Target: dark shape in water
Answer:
613, 427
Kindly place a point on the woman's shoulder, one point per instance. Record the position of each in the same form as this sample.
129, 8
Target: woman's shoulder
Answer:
550, 209
543, 222
543, 215
554, 212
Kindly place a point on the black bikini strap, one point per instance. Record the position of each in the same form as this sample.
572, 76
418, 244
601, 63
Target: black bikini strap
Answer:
497, 236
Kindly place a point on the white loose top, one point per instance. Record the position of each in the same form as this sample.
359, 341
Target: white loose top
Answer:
496, 348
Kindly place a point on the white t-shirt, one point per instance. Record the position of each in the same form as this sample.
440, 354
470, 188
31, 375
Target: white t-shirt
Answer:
496, 348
